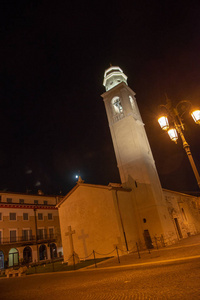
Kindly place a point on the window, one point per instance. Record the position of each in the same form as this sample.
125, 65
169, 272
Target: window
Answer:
183, 212
50, 216
0, 198
41, 233
13, 216
51, 233
25, 216
9, 200
35, 201
132, 102
45, 202
0, 216
13, 236
26, 235
117, 106
40, 216
21, 201
0, 236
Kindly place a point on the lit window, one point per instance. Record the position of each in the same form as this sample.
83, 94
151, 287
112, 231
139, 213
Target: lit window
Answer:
25, 216
13, 216
40, 216
117, 106
9, 200
50, 216
132, 102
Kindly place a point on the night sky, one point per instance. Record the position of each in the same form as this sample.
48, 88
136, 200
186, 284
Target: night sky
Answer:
53, 58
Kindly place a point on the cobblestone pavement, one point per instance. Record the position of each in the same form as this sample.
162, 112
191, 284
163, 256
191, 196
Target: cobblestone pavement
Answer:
168, 273
177, 280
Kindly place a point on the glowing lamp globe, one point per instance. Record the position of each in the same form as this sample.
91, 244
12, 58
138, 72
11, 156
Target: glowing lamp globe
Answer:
163, 121
173, 134
196, 116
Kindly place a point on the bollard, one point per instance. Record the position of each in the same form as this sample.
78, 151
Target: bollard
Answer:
117, 254
138, 250
94, 259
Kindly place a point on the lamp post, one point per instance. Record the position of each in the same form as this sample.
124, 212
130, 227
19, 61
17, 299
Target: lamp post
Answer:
178, 127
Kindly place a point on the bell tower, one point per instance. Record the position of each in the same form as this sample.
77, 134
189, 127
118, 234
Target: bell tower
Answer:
132, 149
134, 157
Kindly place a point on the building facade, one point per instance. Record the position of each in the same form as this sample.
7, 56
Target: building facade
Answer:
29, 228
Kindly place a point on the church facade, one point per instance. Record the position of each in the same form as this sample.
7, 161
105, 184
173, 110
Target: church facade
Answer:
137, 211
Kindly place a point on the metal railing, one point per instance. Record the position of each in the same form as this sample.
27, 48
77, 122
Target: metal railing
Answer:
28, 239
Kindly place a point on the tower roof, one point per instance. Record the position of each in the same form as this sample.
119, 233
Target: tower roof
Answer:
113, 76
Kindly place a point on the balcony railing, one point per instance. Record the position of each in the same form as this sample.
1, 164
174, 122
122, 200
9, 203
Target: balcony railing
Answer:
28, 239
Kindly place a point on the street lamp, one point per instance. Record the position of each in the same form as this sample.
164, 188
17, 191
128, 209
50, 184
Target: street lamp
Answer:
196, 116
175, 116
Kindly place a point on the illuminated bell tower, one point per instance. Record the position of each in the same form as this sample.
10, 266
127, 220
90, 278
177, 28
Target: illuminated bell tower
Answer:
134, 157
133, 153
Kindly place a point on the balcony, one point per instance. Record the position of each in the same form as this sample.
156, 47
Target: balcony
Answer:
27, 240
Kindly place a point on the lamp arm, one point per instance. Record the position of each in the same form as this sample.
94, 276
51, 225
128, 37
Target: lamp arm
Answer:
184, 109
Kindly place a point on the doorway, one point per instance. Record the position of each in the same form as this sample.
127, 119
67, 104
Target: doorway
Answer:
1, 260
53, 250
27, 255
13, 257
43, 252
178, 228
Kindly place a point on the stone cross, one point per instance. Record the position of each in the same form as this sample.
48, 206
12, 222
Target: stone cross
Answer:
69, 233
83, 237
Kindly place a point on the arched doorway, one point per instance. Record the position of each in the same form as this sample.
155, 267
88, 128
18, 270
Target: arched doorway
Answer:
13, 257
27, 255
1, 260
43, 252
53, 250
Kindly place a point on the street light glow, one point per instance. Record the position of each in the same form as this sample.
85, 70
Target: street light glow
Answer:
196, 116
173, 134
163, 121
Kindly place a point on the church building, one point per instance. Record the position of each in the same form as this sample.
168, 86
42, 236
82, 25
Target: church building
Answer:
135, 212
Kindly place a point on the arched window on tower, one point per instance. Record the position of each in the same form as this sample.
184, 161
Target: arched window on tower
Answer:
132, 102
117, 106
